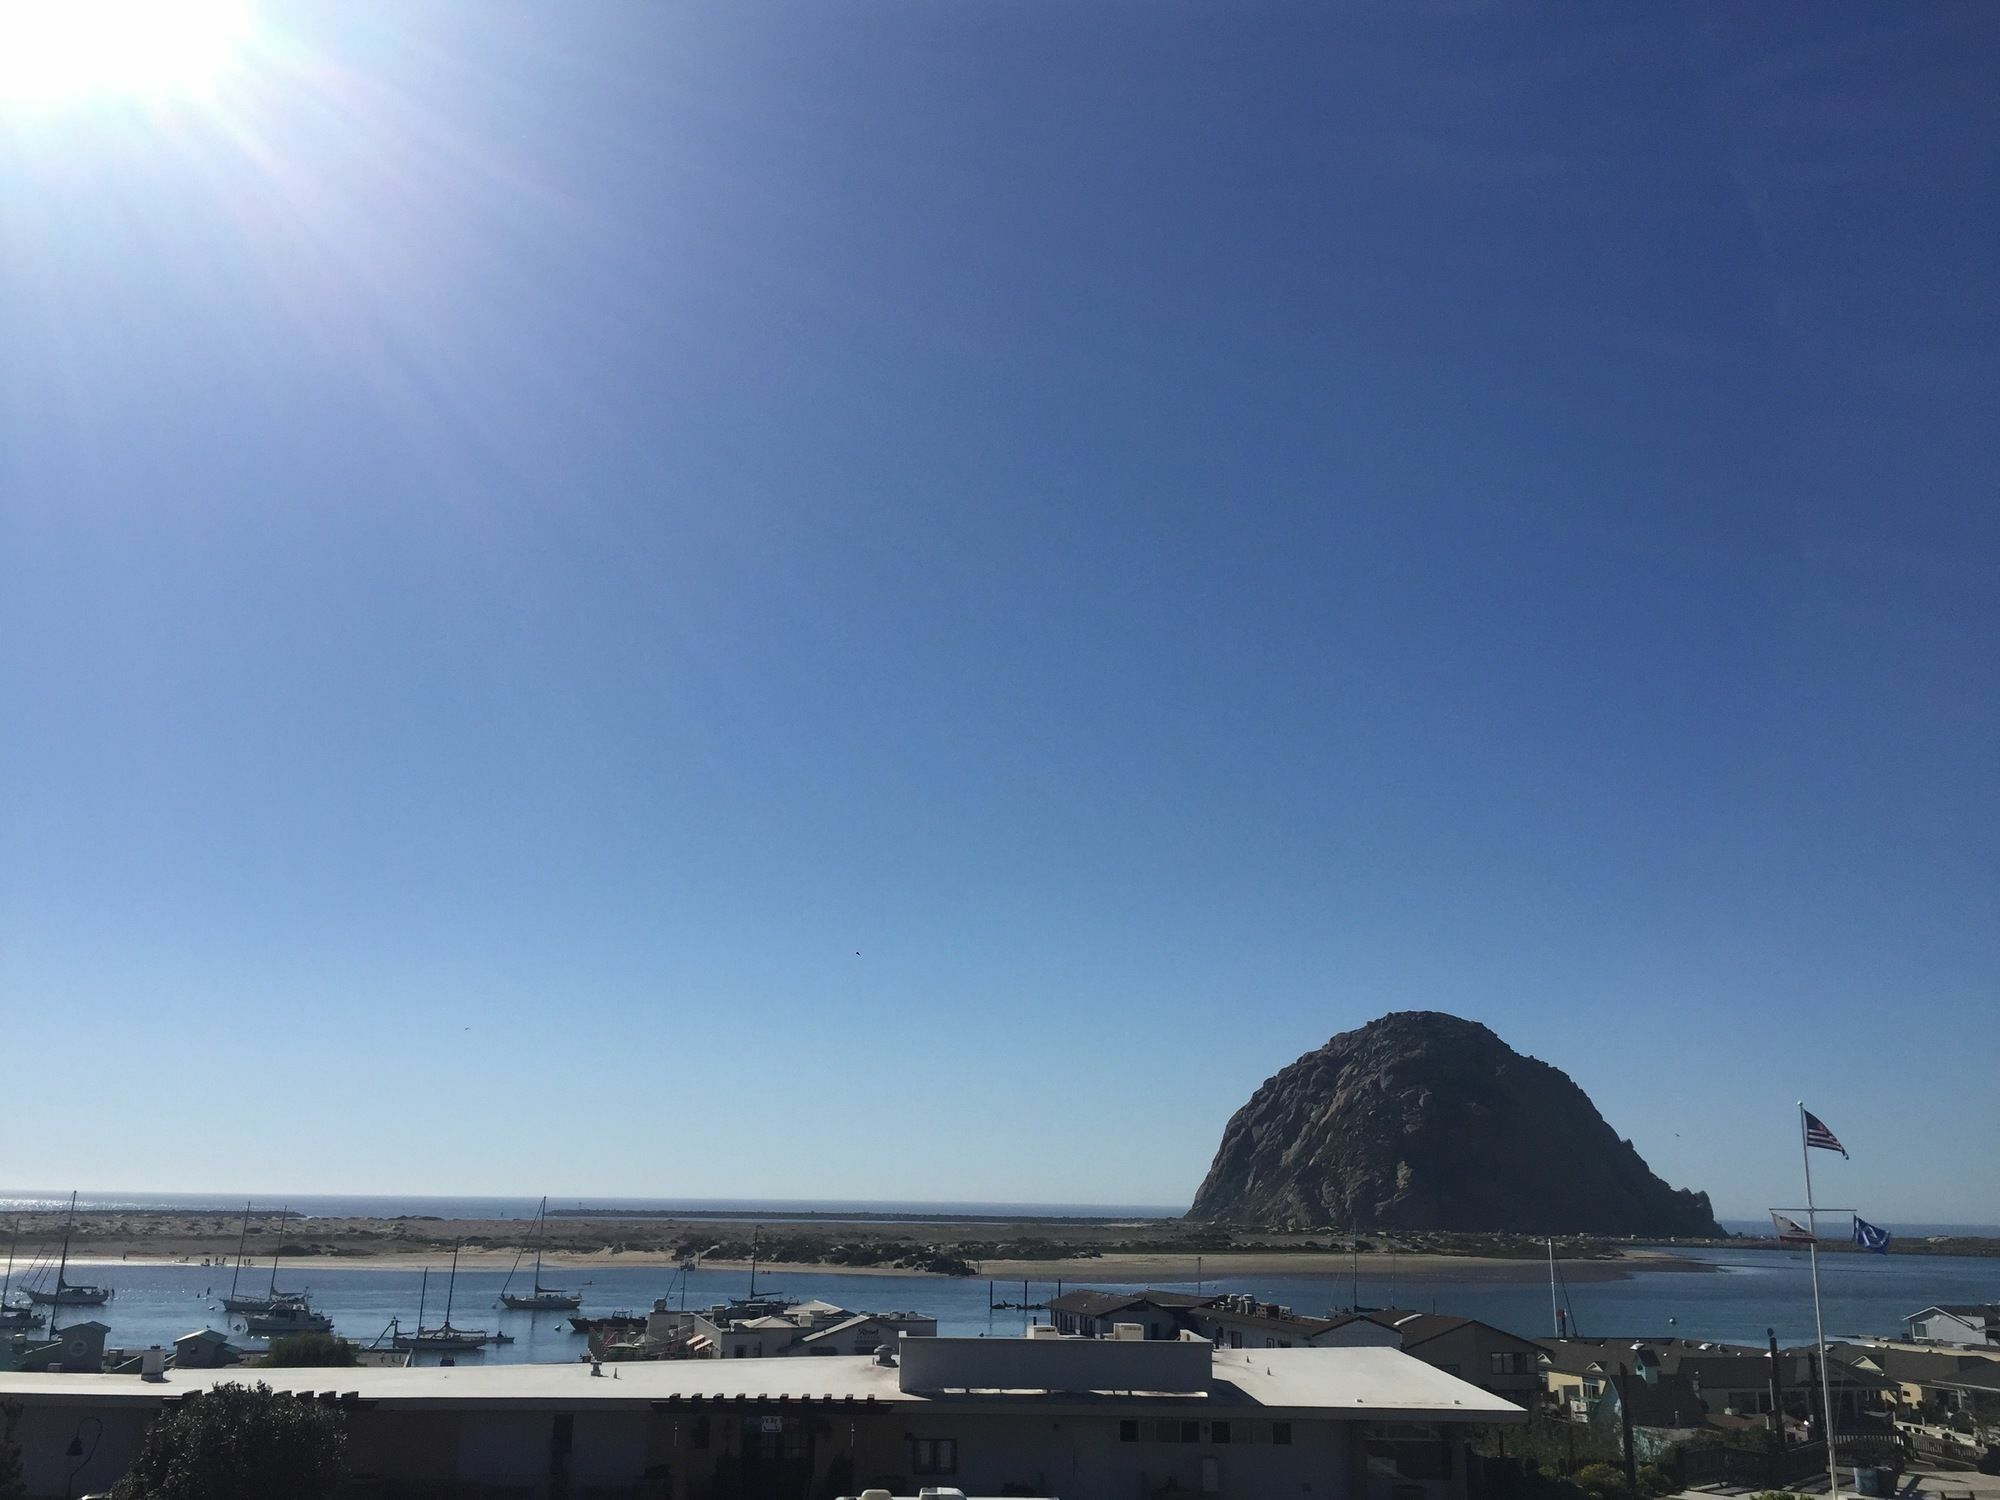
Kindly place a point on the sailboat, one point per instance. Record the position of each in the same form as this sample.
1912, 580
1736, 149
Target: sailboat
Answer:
444, 1339
15, 1314
272, 1297
543, 1298
66, 1293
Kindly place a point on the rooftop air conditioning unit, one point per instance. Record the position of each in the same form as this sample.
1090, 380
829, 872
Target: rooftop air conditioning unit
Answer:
1127, 1331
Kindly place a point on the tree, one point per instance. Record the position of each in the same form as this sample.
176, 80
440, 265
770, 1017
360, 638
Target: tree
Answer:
13, 1483
238, 1443
315, 1351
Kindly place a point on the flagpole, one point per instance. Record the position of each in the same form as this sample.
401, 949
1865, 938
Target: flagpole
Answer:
1819, 1322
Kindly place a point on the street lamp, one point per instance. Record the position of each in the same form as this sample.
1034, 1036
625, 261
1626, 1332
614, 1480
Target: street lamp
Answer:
76, 1451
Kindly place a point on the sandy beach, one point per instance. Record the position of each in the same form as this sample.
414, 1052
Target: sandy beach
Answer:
1079, 1251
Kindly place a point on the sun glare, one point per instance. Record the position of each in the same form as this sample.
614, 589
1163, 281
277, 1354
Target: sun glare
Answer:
57, 50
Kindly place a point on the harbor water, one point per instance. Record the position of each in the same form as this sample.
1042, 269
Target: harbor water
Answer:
1742, 1295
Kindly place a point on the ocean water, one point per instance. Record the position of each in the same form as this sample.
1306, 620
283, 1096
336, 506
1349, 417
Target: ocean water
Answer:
1746, 1293
380, 1206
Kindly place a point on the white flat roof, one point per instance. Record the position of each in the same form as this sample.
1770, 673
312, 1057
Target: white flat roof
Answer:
1385, 1384
529, 1384
1381, 1384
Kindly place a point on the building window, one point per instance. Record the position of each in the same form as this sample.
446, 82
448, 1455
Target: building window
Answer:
1281, 1434
1190, 1432
1592, 1389
934, 1455
1218, 1432
1236, 1338
1407, 1451
1503, 1364
1128, 1431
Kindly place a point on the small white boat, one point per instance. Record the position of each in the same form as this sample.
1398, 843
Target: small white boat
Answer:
282, 1318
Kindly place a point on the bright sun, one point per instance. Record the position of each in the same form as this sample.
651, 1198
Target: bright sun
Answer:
57, 50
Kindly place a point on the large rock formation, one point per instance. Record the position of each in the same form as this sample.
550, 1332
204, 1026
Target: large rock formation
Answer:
1424, 1121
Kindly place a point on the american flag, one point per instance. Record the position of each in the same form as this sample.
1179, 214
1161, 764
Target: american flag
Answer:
1818, 1135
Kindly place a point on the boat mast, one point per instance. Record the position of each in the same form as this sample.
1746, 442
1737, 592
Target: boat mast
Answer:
541, 1228
62, 1265
242, 1241
754, 1230
422, 1287
273, 1294
1555, 1313
450, 1285
7, 1283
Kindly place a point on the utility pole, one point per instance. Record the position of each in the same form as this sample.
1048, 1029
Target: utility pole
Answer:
1625, 1426
1777, 1393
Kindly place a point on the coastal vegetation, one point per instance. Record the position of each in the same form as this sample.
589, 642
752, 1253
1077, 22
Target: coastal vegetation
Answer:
238, 1442
311, 1351
13, 1481
939, 1244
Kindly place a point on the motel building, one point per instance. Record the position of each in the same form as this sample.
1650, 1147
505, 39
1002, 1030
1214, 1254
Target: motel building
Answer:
1046, 1415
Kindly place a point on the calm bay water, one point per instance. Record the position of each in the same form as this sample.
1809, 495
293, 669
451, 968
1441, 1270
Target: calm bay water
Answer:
1749, 1292
381, 1206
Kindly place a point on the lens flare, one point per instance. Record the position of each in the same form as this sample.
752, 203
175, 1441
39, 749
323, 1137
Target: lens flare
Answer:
52, 51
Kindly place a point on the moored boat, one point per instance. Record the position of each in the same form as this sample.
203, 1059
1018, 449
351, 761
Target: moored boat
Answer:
248, 1302
15, 1315
615, 1322
67, 1293
444, 1339
286, 1317
542, 1298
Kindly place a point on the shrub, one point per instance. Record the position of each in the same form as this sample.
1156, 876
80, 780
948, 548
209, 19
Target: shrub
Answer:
13, 1483
1655, 1481
311, 1351
1607, 1480
238, 1443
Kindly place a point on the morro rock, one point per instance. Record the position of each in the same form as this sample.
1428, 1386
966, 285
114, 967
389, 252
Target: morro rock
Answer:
1424, 1121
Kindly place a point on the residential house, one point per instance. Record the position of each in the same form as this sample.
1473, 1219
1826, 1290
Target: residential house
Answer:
1044, 1415
1243, 1322
1093, 1315
1664, 1409
1912, 1373
77, 1348
1975, 1323
1971, 1401
205, 1349
1491, 1358
1731, 1379
768, 1328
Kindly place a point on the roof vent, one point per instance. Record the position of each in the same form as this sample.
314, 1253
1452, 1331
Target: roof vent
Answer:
885, 1355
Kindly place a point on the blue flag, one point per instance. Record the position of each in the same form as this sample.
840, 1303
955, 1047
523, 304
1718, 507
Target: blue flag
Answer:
1871, 1236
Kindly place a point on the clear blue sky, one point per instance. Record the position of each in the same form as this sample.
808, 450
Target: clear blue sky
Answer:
907, 599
